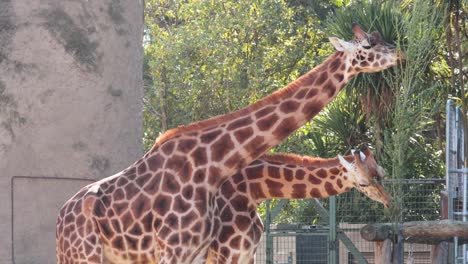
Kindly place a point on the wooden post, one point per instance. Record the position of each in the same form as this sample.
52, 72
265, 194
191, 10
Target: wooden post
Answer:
439, 252
437, 233
424, 232
383, 251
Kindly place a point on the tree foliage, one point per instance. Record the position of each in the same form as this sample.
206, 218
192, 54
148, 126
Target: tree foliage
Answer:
205, 58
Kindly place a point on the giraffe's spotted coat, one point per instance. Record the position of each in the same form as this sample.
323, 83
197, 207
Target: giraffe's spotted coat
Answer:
240, 226
113, 216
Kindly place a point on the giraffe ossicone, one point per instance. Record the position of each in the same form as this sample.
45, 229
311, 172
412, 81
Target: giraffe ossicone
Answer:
283, 176
160, 209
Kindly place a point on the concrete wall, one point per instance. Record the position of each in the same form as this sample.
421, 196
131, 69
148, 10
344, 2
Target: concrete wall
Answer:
70, 107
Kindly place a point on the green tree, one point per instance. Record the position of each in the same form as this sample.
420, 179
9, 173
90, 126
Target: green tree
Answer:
205, 58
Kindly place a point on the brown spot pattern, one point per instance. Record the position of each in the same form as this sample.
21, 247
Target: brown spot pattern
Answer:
300, 174
264, 111
226, 214
170, 184
227, 190
254, 172
199, 156
221, 147
153, 185
300, 94
245, 121
256, 190
299, 191
334, 64
185, 145
288, 174
321, 173
274, 172
329, 88
243, 134
311, 109
155, 162
315, 193
339, 77
330, 189
239, 203
140, 205
314, 180
308, 79
256, 146
274, 188
242, 222
210, 136
322, 78
162, 204
225, 233
289, 106
214, 175
267, 122
286, 127
199, 176
235, 161
187, 192
312, 92
180, 205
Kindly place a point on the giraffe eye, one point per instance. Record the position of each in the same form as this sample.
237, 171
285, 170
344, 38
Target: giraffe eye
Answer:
366, 47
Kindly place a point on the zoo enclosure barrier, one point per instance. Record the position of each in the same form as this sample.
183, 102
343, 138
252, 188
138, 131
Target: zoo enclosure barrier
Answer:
456, 175
311, 238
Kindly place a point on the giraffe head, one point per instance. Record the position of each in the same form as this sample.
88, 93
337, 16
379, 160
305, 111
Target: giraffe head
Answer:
367, 175
367, 52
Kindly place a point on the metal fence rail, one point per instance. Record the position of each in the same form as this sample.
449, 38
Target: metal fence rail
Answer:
456, 174
421, 202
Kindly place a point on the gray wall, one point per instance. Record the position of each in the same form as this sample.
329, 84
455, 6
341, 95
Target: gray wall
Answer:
70, 109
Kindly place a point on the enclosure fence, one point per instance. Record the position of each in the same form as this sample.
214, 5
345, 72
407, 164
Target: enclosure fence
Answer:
456, 175
308, 240
330, 233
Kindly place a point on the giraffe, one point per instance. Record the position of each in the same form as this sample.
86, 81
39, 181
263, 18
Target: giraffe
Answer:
284, 176
160, 209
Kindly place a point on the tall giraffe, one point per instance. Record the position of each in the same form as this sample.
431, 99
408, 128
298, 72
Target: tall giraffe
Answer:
239, 227
160, 209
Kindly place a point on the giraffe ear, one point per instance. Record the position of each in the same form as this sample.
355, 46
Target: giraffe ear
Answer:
339, 44
348, 166
362, 155
380, 172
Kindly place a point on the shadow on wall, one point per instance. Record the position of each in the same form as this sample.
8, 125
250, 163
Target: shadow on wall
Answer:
34, 215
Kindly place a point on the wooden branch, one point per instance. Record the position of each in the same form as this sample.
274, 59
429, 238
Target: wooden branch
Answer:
425, 232
376, 232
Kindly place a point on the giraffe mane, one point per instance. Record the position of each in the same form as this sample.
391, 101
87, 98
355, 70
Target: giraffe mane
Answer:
304, 161
273, 98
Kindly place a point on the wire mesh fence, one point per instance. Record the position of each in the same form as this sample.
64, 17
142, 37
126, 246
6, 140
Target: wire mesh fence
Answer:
307, 240
295, 244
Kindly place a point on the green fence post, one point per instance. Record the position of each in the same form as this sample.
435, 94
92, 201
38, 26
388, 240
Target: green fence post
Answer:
269, 239
332, 242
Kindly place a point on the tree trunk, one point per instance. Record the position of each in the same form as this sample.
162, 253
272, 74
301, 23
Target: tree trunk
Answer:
424, 232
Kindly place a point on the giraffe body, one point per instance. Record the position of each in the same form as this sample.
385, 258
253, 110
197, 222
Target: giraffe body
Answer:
161, 208
282, 176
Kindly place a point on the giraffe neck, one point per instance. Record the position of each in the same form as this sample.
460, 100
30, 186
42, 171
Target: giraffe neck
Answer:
296, 177
230, 142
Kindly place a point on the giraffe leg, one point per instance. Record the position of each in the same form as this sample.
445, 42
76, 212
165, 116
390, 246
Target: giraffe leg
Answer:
77, 235
86, 247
